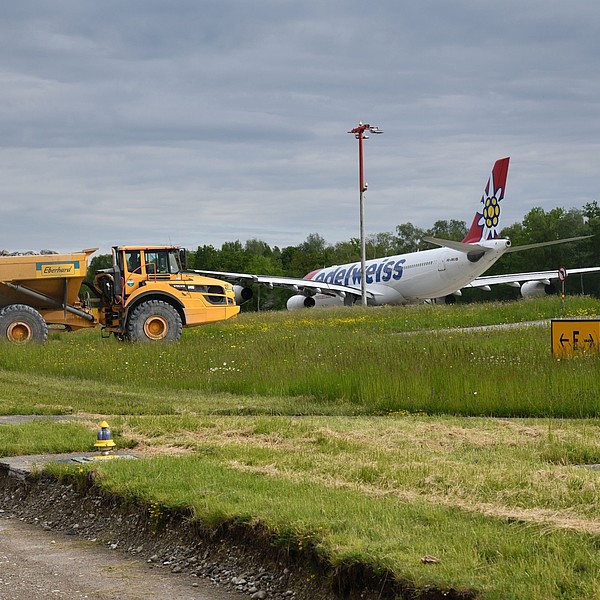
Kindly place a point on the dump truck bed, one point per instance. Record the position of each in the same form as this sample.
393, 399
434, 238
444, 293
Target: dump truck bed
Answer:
46, 282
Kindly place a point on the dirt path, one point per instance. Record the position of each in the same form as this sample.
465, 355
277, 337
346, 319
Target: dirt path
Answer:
41, 565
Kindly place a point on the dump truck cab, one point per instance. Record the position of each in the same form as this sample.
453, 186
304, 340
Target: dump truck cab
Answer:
148, 295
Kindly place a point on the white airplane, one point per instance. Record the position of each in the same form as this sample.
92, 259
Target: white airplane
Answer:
428, 275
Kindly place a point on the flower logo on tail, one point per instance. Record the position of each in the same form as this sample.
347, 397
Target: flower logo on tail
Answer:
490, 216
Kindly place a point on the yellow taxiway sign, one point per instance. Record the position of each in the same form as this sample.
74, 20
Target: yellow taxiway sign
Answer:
574, 337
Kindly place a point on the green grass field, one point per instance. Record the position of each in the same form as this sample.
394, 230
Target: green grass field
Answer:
375, 436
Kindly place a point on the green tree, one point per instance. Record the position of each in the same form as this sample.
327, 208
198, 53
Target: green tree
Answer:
102, 261
287, 258
591, 247
347, 252
556, 224
233, 257
257, 248
261, 259
408, 238
313, 253
380, 244
449, 230
206, 257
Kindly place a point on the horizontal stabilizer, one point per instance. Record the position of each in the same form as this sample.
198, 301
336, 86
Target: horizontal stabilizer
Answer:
458, 246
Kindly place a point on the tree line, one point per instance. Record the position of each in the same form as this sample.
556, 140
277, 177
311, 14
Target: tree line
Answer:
257, 257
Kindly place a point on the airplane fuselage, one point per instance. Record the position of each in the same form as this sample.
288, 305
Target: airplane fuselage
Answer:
416, 276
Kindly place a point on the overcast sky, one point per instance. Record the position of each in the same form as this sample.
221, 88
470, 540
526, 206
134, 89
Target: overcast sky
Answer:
193, 122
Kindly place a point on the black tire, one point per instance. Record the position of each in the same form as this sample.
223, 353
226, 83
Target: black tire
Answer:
154, 320
21, 324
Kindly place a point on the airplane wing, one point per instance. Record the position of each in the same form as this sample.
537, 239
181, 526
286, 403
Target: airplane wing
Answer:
307, 286
515, 279
543, 244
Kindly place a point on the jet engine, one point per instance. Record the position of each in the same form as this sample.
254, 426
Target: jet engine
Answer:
242, 293
536, 289
300, 301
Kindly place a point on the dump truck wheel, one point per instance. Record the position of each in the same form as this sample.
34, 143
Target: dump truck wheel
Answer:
154, 320
20, 324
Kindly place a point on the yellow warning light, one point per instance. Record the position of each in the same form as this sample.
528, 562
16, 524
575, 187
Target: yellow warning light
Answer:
104, 437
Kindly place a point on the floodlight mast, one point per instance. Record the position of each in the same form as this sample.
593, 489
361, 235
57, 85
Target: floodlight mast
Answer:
359, 134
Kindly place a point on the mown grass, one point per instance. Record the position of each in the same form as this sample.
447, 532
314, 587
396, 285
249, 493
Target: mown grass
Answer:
42, 437
338, 430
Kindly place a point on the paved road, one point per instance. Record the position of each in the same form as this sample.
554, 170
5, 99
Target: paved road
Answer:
47, 565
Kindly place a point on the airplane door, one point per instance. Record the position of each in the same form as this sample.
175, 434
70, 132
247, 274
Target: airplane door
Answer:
441, 265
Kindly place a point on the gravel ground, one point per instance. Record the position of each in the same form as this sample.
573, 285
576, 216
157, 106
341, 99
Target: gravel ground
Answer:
38, 565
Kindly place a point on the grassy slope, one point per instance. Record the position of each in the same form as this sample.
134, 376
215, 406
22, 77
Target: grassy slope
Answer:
503, 504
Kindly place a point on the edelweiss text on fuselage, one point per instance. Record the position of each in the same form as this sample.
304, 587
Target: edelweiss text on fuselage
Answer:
375, 272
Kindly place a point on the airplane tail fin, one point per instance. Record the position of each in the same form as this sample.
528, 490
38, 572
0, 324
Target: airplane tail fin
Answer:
486, 224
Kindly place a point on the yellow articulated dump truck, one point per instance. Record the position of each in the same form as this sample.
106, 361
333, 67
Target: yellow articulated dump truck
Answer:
146, 295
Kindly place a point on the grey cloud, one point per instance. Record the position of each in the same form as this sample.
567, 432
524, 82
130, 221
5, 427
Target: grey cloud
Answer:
229, 120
